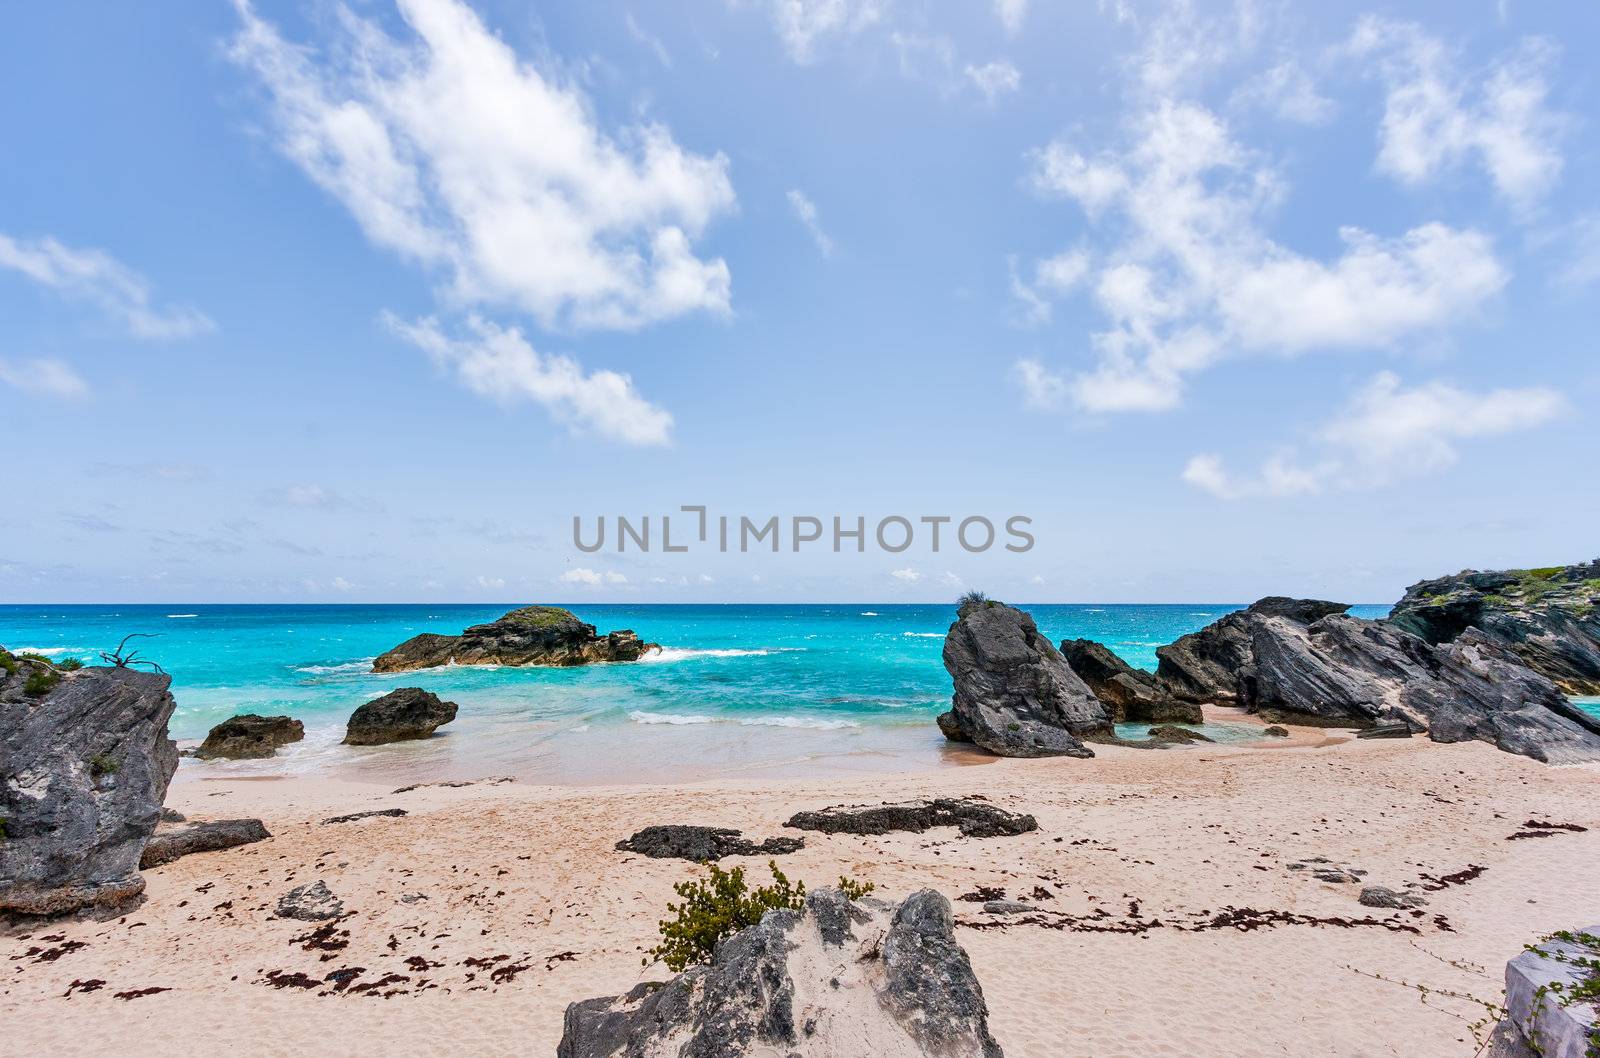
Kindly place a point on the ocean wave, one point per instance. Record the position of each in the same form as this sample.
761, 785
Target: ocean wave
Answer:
364, 665
686, 653
45, 651
177, 615
639, 716
924, 635
869, 613
810, 723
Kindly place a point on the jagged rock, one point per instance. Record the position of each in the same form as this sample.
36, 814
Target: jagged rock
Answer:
702, 844
1203, 666
1549, 618
1015, 694
1537, 983
392, 813
1379, 896
1128, 694
84, 765
310, 903
248, 736
974, 818
170, 843
402, 714
837, 978
1387, 729
1174, 733
949, 728
532, 635
1274, 731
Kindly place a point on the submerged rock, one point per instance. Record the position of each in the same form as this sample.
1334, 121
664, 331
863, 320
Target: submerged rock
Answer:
1174, 733
402, 714
702, 844
973, 817
84, 765
1274, 731
1549, 618
836, 978
248, 736
1015, 694
169, 843
1129, 694
532, 635
310, 903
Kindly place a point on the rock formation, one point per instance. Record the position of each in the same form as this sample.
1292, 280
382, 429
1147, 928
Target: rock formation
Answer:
1129, 694
975, 818
837, 978
1015, 694
313, 902
1542, 1011
84, 766
1549, 618
1174, 733
170, 842
248, 736
402, 714
533, 635
702, 844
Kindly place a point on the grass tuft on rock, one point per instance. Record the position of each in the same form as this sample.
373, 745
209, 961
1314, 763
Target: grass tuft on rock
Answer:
540, 616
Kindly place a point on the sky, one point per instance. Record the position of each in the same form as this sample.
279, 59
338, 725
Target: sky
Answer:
366, 302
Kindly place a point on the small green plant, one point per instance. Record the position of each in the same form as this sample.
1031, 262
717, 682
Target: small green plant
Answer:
69, 664
1586, 991
41, 681
103, 764
2, 829
973, 598
8, 662
720, 905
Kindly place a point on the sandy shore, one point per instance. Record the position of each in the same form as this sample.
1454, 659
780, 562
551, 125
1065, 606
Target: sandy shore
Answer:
479, 915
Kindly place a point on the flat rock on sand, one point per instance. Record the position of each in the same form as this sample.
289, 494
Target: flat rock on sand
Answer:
973, 817
169, 843
702, 844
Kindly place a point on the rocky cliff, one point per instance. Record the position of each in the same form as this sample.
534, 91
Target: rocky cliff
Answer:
532, 635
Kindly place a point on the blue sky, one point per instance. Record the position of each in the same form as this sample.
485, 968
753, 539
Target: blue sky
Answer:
364, 302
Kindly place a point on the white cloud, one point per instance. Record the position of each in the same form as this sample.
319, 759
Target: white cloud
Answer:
492, 583
1438, 116
43, 378
806, 210
340, 584
580, 575
95, 277
1053, 278
449, 149
1385, 432
994, 79
1041, 388
1189, 274
615, 578
1286, 91
907, 575
802, 23
311, 496
1011, 13
648, 40
499, 363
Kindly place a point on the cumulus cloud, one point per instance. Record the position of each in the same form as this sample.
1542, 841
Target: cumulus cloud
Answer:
1188, 274
499, 363
1439, 115
907, 575
1387, 431
994, 79
1011, 13
43, 378
95, 277
1287, 92
801, 24
1053, 278
591, 578
452, 151
806, 211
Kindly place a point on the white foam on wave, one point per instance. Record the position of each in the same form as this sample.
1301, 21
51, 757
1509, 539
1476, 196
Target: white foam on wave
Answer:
45, 651
364, 665
656, 657
869, 613
175, 616
639, 716
809, 723
924, 635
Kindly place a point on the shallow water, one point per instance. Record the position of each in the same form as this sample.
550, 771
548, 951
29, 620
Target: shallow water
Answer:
761, 687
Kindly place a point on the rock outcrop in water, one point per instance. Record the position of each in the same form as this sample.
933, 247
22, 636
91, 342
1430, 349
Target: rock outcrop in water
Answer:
533, 635
403, 714
84, 765
837, 978
250, 737
1549, 618
1015, 694
1129, 694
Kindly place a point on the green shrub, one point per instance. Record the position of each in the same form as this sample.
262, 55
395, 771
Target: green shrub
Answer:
2, 829
41, 681
69, 664
720, 905
103, 764
8, 662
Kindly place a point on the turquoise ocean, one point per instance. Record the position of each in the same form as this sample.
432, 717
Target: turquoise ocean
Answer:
736, 686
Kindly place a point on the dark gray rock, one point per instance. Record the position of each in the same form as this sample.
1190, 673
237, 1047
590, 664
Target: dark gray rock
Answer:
868, 978
402, 714
1015, 694
1204, 666
1129, 694
172, 815
973, 817
1274, 731
169, 843
392, 813
84, 768
1379, 896
1007, 907
1386, 729
702, 844
1549, 618
310, 903
248, 736
950, 728
532, 635
1174, 733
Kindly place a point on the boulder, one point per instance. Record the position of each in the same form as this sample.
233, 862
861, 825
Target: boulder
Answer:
836, 978
1015, 695
1380, 896
1549, 618
1274, 731
1129, 694
1386, 729
702, 844
314, 902
1204, 666
169, 843
975, 818
1538, 980
532, 635
402, 714
84, 765
1174, 733
248, 736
